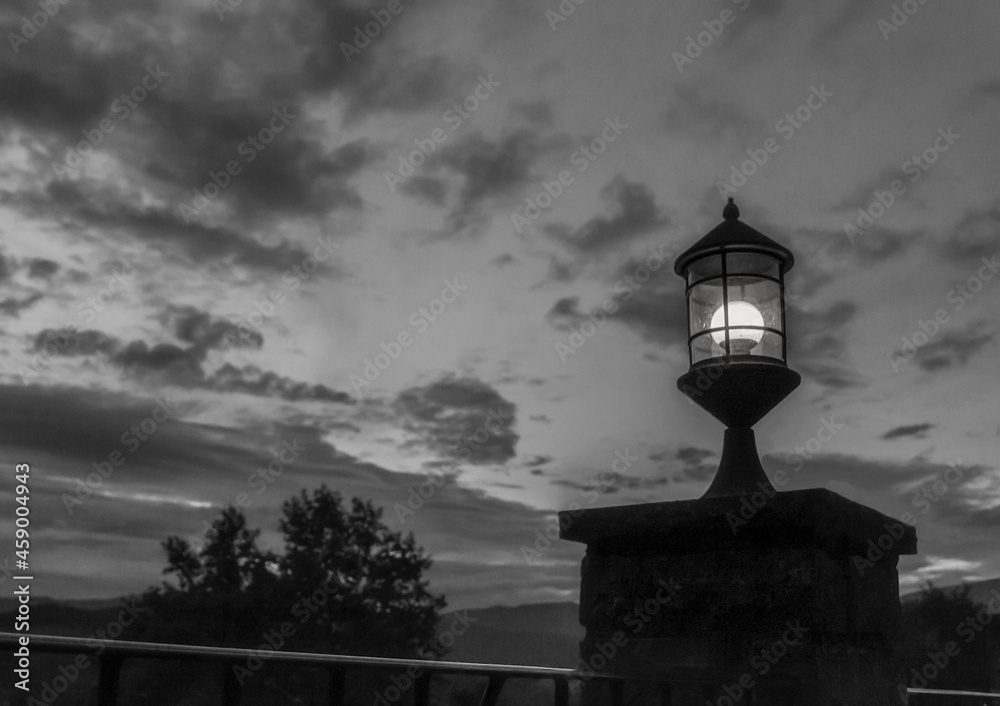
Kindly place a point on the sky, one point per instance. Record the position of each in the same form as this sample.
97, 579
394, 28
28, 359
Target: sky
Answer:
251, 248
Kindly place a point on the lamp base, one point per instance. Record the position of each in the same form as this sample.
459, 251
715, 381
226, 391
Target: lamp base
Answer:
738, 393
739, 471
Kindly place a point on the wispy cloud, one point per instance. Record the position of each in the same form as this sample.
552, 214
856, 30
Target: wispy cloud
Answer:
918, 431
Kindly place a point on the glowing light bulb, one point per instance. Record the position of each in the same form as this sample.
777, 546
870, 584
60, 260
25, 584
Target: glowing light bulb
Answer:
741, 340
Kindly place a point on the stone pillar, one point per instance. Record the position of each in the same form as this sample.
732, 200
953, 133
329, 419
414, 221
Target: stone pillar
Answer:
787, 599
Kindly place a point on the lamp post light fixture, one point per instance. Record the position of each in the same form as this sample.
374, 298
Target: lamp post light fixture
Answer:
797, 563
737, 343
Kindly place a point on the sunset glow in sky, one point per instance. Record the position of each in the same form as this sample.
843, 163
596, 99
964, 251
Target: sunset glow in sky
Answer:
422, 251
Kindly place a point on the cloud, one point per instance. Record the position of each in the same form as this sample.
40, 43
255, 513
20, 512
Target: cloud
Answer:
563, 271
826, 256
692, 113
813, 269
404, 82
87, 425
168, 363
975, 235
848, 15
173, 363
875, 245
187, 128
296, 176
986, 90
51, 100
918, 431
611, 483
177, 365
537, 112
293, 173
80, 343
634, 213
90, 206
203, 330
251, 380
692, 454
565, 313
954, 347
693, 466
429, 189
655, 309
817, 346
21, 296
881, 243
938, 567
384, 76
488, 168
76, 429
13, 307
955, 508
40, 268
863, 193
452, 415
180, 476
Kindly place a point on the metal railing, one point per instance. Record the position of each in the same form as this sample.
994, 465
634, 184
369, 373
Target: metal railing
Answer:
111, 655
972, 697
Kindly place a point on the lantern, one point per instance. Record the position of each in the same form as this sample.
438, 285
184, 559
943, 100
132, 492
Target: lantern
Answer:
737, 346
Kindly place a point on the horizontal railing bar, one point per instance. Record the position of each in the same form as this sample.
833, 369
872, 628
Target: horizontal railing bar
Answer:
157, 650
162, 650
952, 692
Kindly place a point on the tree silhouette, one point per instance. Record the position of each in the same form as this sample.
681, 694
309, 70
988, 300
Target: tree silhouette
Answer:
223, 591
945, 642
378, 602
345, 584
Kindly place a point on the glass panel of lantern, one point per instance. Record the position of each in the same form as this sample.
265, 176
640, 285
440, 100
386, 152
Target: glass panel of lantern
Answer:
754, 296
704, 303
754, 306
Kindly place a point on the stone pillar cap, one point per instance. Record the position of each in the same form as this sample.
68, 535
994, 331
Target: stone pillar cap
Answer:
816, 517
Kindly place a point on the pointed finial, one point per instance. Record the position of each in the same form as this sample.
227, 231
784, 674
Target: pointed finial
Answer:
731, 212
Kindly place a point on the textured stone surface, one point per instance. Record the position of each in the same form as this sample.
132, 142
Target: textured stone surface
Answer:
800, 604
816, 517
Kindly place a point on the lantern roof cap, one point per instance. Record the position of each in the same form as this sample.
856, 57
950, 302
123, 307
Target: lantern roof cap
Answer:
733, 234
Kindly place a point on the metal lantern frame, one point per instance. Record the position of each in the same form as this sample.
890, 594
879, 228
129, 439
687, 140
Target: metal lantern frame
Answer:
737, 388
725, 276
